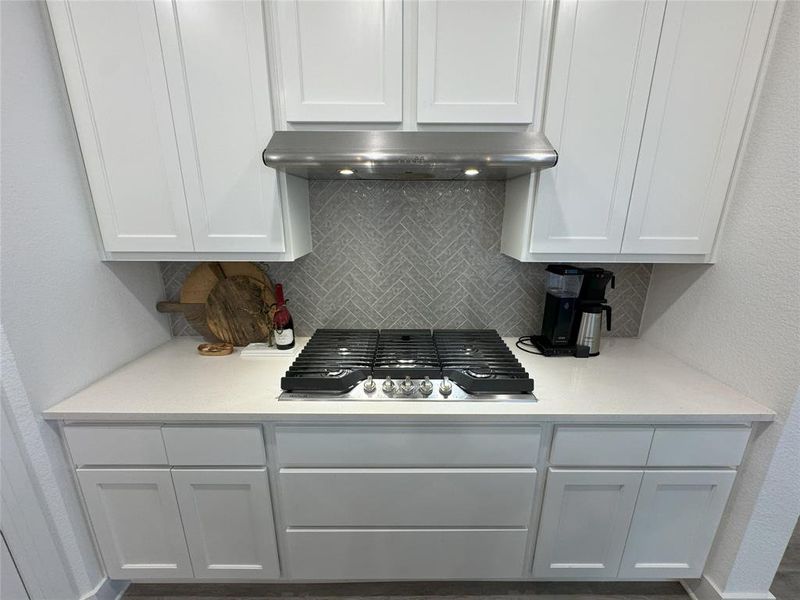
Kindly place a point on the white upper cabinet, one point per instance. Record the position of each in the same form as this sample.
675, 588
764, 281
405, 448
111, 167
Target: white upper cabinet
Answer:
646, 105
340, 60
111, 56
602, 65
478, 60
173, 108
706, 72
224, 120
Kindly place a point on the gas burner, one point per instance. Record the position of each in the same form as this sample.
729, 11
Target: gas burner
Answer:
479, 372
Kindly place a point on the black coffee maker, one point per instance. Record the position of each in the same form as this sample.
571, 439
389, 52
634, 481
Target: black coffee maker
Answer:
563, 285
569, 290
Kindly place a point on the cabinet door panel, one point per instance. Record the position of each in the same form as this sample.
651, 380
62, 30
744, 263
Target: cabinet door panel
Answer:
341, 60
135, 518
227, 517
478, 60
706, 72
111, 56
602, 65
223, 116
676, 518
584, 523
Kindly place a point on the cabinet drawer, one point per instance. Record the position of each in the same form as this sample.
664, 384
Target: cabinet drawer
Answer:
211, 446
407, 446
407, 497
406, 554
116, 444
698, 446
581, 445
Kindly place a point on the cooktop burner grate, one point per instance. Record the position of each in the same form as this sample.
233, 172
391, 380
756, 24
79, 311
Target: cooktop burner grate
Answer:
478, 361
333, 360
406, 353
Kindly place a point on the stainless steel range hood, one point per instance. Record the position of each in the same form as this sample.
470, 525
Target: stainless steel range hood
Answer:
408, 155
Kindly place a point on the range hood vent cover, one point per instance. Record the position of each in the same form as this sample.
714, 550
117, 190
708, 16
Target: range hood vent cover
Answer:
408, 155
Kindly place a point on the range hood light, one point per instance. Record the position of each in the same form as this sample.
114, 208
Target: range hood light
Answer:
471, 172
346, 171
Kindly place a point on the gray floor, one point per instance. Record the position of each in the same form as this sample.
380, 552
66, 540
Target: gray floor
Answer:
786, 585
416, 590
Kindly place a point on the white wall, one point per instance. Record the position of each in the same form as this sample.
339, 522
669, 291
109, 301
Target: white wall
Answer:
68, 318
738, 320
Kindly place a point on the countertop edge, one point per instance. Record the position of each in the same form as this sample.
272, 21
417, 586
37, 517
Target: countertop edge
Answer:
675, 419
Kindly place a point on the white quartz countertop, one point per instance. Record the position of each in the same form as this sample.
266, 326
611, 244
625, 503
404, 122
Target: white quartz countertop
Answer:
631, 381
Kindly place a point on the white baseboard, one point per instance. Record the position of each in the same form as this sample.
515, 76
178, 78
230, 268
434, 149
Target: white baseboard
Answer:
107, 589
707, 589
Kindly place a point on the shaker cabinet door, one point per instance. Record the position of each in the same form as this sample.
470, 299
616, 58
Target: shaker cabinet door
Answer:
676, 518
115, 74
340, 60
584, 523
136, 521
708, 63
227, 516
478, 60
602, 65
215, 51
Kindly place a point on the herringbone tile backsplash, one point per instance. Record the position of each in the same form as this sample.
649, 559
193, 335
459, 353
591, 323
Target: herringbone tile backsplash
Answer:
417, 254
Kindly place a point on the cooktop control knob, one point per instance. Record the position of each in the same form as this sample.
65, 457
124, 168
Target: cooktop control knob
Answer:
388, 385
445, 387
408, 387
425, 386
369, 385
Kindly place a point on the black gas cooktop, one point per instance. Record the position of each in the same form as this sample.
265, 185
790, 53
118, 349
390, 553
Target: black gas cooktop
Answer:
413, 364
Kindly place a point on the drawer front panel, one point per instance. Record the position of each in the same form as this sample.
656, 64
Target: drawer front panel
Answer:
407, 446
585, 446
406, 554
116, 444
407, 497
234, 445
698, 446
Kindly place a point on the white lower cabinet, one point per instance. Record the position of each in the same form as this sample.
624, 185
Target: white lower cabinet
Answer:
405, 502
676, 518
584, 522
407, 497
393, 554
136, 521
227, 518
629, 524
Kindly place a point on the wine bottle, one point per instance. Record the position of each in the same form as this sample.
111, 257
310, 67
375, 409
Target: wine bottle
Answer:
282, 322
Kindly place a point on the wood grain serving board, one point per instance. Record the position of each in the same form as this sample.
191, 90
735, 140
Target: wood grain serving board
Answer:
198, 286
238, 310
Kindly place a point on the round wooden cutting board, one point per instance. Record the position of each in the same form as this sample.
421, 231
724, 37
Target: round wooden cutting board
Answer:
238, 310
199, 283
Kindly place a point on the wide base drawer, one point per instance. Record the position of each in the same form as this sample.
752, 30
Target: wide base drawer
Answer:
394, 554
407, 497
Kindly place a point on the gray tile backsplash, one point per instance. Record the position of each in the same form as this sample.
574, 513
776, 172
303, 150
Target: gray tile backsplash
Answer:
417, 254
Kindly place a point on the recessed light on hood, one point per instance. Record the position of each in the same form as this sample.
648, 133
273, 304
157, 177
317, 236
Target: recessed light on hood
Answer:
409, 155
